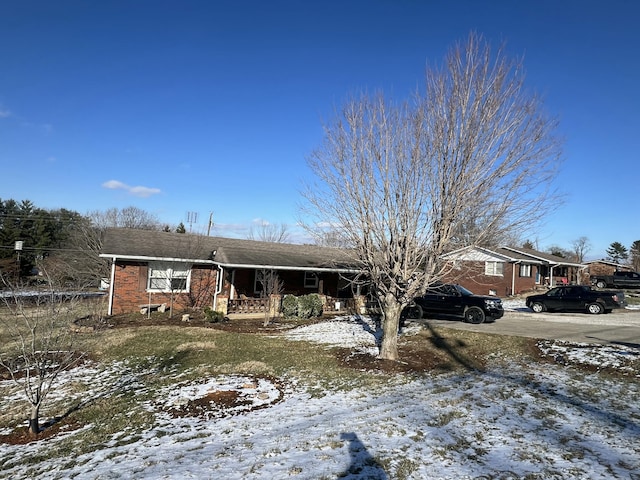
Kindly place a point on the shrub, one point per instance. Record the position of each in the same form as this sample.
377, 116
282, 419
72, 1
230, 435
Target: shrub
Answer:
309, 306
212, 316
290, 306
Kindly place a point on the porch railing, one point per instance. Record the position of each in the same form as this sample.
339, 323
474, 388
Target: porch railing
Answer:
248, 305
260, 305
335, 304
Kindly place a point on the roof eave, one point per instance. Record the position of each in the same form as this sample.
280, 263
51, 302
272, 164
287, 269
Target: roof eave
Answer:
289, 267
143, 258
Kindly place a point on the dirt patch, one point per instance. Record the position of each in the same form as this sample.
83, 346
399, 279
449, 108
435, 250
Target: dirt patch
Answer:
416, 356
222, 397
21, 435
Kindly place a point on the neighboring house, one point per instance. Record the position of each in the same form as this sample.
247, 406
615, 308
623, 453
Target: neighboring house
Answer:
194, 271
605, 267
507, 271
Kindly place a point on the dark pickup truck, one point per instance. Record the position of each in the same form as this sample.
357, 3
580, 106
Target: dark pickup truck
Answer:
579, 298
617, 280
455, 300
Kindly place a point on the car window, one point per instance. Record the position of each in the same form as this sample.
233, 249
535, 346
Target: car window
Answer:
464, 291
554, 292
450, 290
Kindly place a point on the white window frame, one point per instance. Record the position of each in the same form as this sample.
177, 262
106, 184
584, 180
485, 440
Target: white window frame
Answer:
494, 269
258, 282
525, 270
311, 280
162, 275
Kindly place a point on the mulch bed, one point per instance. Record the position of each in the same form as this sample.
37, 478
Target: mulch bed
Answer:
21, 435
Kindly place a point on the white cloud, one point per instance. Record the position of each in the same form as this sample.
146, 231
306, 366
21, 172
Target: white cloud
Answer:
4, 113
138, 191
261, 222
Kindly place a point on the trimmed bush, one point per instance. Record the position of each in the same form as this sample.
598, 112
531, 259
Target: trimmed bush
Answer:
309, 306
290, 306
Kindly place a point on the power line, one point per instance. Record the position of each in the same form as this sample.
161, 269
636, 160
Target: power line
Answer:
48, 249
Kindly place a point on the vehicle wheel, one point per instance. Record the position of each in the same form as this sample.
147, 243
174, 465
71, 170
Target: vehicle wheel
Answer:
474, 315
595, 308
537, 307
415, 312
600, 284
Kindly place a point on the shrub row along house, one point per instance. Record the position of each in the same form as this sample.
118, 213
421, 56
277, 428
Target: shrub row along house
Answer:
228, 275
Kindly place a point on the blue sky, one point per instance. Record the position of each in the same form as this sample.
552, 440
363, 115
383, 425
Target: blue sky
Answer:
214, 106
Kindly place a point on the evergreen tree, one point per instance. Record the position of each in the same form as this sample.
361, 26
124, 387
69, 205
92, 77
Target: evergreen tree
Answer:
181, 228
617, 252
41, 231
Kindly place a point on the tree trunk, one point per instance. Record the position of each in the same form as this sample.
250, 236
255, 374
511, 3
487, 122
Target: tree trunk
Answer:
34, 422
391, 309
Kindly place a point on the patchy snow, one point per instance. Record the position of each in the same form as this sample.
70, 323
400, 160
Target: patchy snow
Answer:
511, 421
357, 332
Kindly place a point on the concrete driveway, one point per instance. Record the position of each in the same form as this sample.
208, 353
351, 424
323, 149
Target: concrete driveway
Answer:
620, 327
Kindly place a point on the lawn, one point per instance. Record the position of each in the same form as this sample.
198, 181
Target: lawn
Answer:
309, 400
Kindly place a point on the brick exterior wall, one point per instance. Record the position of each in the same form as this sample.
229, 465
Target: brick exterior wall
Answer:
130, 286
470, 274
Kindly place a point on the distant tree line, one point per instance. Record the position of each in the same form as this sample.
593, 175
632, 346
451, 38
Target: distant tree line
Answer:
67, 244
63, 241
39, 230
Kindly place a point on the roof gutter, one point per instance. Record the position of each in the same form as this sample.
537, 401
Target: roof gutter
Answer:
143, 258
284, 267
545, 260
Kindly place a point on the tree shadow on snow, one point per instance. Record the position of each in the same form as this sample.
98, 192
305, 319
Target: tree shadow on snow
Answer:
363, 465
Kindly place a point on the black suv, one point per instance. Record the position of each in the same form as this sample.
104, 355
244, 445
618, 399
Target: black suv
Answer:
447, 299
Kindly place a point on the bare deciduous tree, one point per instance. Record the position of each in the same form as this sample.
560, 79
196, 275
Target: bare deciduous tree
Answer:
467, 162
129, 217
269, 232
581, 246
330, 237
272, 288
37, 342
81, 261
180, 275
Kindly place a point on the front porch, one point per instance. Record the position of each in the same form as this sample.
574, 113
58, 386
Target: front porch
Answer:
260, 305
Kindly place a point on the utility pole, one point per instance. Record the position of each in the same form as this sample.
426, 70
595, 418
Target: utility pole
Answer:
210, 223
18, 249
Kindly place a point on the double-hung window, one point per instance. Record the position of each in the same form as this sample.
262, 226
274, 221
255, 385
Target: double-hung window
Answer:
525, 270
494, 268
168, 277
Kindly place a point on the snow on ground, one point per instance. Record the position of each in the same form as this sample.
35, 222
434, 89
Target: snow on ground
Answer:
510, 422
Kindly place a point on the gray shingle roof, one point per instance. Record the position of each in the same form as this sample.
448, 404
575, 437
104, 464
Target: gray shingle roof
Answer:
546, 257
146, 245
